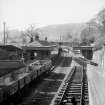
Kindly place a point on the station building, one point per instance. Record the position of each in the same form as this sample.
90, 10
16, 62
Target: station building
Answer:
39, 49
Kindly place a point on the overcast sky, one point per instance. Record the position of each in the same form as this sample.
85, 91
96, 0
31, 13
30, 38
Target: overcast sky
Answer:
20, 13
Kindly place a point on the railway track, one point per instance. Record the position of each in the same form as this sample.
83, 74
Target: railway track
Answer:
75, 89
42, 90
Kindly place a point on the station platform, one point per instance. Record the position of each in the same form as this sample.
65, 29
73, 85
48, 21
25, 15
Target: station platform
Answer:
96, 79
96, 85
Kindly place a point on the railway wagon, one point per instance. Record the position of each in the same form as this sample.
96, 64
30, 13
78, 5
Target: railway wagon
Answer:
34, 74
1, 94
21, 82
27, 79
12, 88
16, 85
11, 64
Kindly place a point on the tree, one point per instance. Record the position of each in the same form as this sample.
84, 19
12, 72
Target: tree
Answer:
90, 33
46, 38
24, 38
67, 36
92, 39
98, 26
101, 17
75, 42
36, 36
30, 32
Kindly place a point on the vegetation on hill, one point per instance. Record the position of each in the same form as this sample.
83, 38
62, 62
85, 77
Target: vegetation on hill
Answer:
63, 32
99, 22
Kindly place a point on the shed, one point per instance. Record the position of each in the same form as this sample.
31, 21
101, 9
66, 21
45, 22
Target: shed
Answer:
11, 51
87, 51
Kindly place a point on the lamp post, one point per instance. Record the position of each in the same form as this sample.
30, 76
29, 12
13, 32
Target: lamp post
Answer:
4, 23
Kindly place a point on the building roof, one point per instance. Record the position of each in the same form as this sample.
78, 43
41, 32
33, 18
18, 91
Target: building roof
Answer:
84, 47
10, 47
40, 45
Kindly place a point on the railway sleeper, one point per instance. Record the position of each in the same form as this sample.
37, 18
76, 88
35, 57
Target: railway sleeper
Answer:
74, 91
74, 88
70, 101
60, 95
75, 85
85, 97
74, 94
70, 97
67, 102
86, 100
85, 91
85, 86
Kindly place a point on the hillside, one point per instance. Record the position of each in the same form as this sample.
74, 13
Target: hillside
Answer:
63, 31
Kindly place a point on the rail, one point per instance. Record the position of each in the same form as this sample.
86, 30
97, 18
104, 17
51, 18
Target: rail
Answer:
73, 88
81, 100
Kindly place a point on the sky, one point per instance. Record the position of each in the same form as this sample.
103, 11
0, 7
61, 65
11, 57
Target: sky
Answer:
19, 14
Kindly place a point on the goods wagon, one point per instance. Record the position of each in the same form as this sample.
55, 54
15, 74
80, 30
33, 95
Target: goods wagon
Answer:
34, 70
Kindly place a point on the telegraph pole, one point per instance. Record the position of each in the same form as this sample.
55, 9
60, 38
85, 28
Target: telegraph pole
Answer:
4, 31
